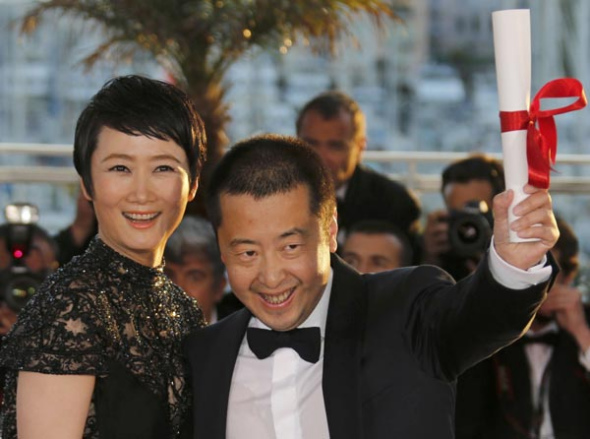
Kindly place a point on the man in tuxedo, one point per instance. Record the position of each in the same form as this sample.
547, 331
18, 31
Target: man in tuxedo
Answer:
322, 351
334, 125
538, 387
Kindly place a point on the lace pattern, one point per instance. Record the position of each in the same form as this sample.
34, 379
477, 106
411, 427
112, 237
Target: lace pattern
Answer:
103, 306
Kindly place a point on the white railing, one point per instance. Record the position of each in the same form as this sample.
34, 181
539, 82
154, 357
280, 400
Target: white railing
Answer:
412, 176
422, 182
36, 173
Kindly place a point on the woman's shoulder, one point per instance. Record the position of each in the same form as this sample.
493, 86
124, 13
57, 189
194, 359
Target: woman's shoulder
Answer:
59, 330
188, 306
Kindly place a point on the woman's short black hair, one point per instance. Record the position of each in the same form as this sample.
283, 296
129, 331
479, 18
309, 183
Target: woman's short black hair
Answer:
266, 165
140, 106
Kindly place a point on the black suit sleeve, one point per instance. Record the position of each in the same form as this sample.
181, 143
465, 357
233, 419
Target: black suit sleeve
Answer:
452, 327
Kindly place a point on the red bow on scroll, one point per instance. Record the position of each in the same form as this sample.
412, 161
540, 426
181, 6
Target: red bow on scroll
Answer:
542, 139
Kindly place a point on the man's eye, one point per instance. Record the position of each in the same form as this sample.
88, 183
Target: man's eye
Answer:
248, 254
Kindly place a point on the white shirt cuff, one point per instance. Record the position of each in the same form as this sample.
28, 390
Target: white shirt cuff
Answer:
585, 359
514, 278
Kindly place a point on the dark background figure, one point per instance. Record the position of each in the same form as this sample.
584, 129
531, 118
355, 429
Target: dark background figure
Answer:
323, 351
375, 246
75, 238
39, 260
335, 126
194, 264
538, 387
456, 238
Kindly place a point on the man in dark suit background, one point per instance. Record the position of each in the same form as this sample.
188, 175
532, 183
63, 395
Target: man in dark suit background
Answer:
538, 387
373, 356
335, 126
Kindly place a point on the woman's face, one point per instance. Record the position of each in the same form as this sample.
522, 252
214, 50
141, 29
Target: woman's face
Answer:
141, 187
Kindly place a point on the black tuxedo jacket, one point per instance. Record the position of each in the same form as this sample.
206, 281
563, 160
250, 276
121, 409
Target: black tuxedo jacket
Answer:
505, 398
394, 344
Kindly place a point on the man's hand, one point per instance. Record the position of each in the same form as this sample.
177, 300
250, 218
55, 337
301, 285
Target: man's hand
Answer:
435, 237
535, 219
565, 303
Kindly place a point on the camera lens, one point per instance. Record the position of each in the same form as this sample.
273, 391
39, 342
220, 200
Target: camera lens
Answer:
469, 234
19, 291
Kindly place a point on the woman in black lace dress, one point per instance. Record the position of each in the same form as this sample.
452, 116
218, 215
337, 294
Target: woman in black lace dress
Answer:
96, 353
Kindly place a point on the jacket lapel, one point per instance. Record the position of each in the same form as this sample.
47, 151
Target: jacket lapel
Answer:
215, 379
342, 354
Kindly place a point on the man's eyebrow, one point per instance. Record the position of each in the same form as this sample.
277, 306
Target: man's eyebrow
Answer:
239, 241
292, 232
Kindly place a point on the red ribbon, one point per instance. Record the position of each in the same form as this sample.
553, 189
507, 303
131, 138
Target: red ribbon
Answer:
542, 140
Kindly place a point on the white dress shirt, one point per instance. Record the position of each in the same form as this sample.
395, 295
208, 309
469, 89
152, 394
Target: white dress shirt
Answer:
281, 397
539, 356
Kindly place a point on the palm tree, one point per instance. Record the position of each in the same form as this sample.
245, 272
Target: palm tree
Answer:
198, 40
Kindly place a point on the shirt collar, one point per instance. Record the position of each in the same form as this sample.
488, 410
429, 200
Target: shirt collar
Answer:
319, 315
551, 327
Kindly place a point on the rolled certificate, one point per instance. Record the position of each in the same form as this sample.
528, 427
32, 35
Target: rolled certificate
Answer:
512, 47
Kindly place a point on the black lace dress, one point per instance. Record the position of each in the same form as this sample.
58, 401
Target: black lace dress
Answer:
108, 316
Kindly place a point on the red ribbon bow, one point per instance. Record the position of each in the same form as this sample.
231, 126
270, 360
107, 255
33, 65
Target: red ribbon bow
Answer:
542, 141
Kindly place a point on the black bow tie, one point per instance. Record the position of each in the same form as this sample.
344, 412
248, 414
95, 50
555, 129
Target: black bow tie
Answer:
305, 341
549, 338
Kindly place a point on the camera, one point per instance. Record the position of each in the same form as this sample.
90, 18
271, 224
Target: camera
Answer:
470, 229
17, 282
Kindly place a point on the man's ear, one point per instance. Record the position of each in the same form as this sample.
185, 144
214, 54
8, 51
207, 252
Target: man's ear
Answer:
333, 232
193, 190
85, 192
362, 142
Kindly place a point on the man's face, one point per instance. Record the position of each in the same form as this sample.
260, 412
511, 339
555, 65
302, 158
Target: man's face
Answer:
195, 275
334, 140
373, 252
457, 195
277, 254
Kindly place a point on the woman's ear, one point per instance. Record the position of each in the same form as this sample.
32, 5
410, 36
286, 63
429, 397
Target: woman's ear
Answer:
85, 192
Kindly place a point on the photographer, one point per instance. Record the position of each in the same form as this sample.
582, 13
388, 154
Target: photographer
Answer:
455, 238
539, 386
39, 258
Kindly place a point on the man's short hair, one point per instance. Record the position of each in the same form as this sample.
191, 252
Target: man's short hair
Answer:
329, 104
135, 106
196, 236
266, 165
568, 248
379, 227
477, 167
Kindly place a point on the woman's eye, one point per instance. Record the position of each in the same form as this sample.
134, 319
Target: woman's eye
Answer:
164, 168
118, 168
